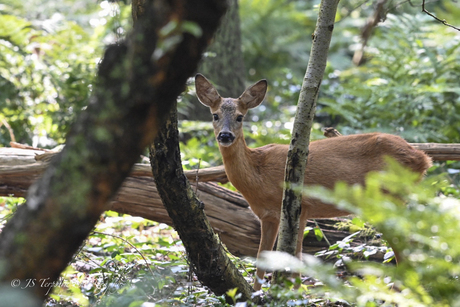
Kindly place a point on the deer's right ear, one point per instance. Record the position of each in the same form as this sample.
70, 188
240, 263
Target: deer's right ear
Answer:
206, 92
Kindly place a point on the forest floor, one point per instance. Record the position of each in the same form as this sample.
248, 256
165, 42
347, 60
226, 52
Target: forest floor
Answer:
131, 261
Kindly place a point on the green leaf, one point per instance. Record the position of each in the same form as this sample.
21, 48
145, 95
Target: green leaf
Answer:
307, 231
192, 28
358, 222
318, 233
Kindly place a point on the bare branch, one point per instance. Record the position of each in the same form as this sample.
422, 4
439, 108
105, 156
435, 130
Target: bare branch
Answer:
378, 16
443, 21
10, 130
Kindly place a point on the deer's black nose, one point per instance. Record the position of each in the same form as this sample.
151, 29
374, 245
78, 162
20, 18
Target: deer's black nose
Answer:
225, 137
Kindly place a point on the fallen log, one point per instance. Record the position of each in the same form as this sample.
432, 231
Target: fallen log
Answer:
228, 211
440, 151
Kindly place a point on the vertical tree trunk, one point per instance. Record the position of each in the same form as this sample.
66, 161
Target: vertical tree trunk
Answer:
223, 62
204, 249
299, 146
132, 97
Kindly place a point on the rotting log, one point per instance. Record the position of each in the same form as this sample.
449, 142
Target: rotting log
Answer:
440, 151
227, 211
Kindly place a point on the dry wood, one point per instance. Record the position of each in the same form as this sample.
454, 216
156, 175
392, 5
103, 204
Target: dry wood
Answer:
227, 211
440, 151
12, 159
25, 146
330, 132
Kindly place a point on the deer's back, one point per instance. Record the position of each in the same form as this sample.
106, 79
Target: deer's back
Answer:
344, 158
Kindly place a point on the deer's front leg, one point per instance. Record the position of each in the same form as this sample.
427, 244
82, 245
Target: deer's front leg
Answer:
269, 231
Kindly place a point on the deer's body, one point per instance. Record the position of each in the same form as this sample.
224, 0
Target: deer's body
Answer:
259, 173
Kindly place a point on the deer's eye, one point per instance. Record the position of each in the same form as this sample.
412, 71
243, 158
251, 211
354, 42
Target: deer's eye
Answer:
215, 117
239, 118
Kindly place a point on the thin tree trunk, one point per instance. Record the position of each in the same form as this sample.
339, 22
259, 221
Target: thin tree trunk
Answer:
299, 146
132, 97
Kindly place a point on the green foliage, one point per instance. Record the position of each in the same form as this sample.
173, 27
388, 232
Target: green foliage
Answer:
273, 50
267, 46
48, 65
8, 206
40, 92
198, 143
418, 224
408, 86
129, 261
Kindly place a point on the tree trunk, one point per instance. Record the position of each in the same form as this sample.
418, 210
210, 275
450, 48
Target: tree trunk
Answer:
223, 62
299, 146
204, 249
132, 97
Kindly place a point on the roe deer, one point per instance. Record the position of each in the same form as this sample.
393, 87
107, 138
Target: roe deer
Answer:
258, 173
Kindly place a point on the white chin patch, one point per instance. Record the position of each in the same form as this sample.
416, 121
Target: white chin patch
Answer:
225, 144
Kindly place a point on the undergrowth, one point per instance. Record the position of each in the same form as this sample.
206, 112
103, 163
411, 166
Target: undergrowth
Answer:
130, 261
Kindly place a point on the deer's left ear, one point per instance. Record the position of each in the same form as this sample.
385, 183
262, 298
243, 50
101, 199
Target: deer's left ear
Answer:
254, 95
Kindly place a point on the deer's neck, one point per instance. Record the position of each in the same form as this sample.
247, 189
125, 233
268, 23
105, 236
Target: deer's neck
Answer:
239, 163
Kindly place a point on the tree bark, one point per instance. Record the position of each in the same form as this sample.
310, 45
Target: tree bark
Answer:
224, 61
204, 249
136, 87
299, 146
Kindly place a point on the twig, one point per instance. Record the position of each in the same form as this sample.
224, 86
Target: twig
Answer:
372, 22
330, 132
443, 21
25, 146
126, 241
10, 130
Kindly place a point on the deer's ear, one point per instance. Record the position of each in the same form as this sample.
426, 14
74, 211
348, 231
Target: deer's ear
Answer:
206, 92
254, 95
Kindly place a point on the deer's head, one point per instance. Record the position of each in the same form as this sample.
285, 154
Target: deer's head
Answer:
228, 113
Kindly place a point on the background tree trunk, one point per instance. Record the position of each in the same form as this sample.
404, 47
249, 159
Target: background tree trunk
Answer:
299, 146
131, 99
223, 62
